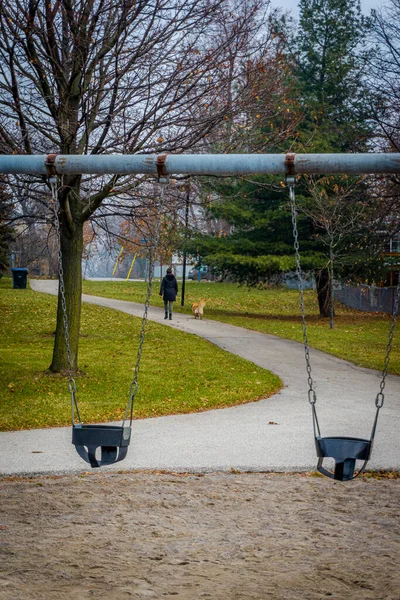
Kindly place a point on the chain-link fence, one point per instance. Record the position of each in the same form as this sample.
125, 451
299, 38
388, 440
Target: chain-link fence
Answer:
366, 297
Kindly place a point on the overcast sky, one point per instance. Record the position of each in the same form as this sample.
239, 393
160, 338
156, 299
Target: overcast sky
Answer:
291, 5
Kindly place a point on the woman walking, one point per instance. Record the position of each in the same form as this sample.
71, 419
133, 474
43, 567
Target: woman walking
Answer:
169, 290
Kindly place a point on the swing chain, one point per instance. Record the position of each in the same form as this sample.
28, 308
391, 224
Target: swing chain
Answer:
311, 393
380, 398
71, 380
153, 249
312, 397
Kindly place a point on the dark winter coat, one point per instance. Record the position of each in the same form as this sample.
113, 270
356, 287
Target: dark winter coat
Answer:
169, 288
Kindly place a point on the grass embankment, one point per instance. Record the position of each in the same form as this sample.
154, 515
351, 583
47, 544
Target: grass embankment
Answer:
179, 373
358, 337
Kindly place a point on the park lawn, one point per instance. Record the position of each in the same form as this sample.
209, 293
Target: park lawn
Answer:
180, 373
358, 337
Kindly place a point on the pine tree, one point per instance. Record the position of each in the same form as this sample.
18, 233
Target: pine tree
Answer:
329, 64
256, 242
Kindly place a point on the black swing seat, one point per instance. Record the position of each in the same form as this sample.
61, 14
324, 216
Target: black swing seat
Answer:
112, 439
345, 451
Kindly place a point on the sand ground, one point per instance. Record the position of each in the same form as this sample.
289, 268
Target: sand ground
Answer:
230, 536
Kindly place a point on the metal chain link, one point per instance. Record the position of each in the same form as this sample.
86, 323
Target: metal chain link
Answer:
312, 397
380, 398
134, 385
311, 393
71, 380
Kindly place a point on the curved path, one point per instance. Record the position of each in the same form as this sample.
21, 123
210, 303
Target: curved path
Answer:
239, 437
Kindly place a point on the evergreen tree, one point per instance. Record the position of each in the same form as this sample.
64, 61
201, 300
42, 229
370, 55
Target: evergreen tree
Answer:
255, 237
329, 64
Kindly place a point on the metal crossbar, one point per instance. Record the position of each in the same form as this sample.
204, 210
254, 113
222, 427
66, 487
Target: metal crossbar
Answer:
201, 164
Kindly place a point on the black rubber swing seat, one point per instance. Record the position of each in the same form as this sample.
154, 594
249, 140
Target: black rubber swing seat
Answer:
345, 451
112, 439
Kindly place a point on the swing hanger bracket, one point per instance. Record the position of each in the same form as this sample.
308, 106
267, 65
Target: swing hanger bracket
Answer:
51, 166
162, 174
290, 169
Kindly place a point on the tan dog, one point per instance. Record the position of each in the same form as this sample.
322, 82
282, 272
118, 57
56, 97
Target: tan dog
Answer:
198, 308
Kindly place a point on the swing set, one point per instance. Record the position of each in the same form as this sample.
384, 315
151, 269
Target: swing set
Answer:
119, 259
344, 450
104, 444
113, 440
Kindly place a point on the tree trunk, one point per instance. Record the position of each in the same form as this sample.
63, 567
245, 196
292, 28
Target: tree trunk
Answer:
71, 248
323, 282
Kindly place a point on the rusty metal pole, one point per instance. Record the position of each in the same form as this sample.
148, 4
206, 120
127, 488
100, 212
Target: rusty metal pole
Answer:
202, 164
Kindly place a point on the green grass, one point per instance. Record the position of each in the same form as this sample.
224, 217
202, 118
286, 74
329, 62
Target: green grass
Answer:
358, 337
180, 373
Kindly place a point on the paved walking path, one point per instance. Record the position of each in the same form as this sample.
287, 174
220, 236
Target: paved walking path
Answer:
239, 437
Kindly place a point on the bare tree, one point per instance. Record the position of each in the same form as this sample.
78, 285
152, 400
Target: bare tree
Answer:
352, 221
6, 233
385, 73
110, 76
384, 80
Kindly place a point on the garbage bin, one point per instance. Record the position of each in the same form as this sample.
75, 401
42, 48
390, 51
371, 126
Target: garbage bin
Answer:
20, 277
